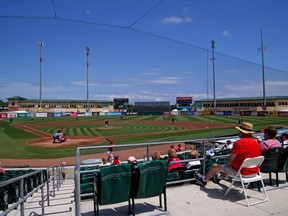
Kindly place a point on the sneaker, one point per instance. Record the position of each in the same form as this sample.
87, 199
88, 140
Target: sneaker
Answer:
217, 178
199, 178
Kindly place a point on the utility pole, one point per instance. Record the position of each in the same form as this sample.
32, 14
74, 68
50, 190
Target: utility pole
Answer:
213, 46
40, 44
264, 106
87, 54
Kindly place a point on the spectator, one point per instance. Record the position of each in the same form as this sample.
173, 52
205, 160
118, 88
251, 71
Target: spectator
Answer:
155, 155
194, 154
105, 162
116, 160
179, 148
245, 147
269, 139
172, 160
132, 160
228, 145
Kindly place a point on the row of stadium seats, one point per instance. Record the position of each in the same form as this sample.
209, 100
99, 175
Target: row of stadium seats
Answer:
86, 179
11, 193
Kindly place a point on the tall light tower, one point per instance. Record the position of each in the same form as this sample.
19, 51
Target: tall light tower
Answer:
264, 107
213, 46
40, 44
87, 55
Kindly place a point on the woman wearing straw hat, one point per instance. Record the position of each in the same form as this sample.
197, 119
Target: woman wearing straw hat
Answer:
245, 147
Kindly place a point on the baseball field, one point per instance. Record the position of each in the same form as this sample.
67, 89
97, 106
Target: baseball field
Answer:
24, 141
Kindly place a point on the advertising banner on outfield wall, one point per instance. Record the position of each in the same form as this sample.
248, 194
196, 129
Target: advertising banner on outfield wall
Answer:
227, 113
21, 115
273, 114
73, 114
88, 113
113, 113
190, 113
41, 115
11, 115
3, 115
57, 114
50, 114
283, 114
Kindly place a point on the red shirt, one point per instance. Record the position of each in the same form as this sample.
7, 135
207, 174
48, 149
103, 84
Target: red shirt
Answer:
116, 162
173, 165
246, 147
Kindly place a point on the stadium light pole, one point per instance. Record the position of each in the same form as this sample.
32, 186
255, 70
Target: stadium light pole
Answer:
40, 44
264, 107
213, 46
87, 55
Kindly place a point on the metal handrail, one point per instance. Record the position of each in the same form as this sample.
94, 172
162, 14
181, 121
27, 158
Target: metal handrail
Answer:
55, 175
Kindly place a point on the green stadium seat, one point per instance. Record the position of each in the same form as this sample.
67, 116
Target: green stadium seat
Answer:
152, 181
3, 198
112, 185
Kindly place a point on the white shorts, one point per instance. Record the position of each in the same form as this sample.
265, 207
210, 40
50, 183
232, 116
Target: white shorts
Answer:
229, 170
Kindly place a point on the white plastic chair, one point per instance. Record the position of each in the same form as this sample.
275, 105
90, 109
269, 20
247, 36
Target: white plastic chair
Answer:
250, 163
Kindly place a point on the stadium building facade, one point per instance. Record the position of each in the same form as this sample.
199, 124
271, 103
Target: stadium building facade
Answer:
18, 103
244, 105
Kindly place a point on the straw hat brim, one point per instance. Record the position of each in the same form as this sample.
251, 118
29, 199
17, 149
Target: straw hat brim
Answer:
244, 131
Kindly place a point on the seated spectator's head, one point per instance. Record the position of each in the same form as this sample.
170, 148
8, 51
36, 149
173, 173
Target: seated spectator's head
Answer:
116, 157
172, 146
132, 159
285, 136
194, 154
155, 155
172, 153
270, 132
104, 160
228, 142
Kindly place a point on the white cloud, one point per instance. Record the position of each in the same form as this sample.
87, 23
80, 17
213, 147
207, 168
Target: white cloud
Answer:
174, 20
166, 80
88, 12
225, 33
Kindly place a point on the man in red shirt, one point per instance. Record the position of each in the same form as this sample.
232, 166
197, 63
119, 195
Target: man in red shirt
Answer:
246, 147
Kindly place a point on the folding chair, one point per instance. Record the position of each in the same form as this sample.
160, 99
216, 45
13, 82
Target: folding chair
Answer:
249, 163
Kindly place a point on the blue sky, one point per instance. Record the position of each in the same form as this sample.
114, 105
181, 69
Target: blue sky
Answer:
146, 50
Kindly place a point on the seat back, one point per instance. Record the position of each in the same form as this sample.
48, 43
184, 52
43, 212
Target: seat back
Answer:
270, 164
152, 179
252, 162
283, 161
113, 184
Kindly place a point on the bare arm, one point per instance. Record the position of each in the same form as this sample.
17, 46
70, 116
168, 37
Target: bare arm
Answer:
231, 158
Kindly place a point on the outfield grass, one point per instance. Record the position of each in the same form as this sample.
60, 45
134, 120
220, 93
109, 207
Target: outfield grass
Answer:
12, 142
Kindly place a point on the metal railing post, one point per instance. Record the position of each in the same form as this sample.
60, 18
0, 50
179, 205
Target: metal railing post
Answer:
22, 196
48, 188
42, 193
53, 180
77, 183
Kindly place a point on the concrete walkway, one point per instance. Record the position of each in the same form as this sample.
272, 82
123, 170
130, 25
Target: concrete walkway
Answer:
186, 199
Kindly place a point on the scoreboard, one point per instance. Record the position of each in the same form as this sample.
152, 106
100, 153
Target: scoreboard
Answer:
120, 103
184, 101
